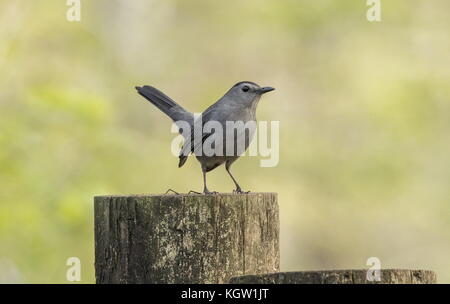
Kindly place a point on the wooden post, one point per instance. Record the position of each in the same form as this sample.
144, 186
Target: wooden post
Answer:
388, 276
185, 238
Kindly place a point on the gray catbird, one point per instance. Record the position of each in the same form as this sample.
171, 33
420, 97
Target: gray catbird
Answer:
237, 105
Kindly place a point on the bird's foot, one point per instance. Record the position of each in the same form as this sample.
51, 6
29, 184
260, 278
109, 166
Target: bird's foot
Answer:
211, 192
173, 191
192, 191
206, 191
239, 191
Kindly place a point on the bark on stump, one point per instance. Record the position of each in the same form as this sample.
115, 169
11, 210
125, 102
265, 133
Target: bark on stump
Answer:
185, 238
388, 276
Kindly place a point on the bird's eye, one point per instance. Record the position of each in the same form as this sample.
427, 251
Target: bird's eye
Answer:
245, 88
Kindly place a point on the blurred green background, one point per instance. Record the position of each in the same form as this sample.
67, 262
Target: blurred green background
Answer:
364, 115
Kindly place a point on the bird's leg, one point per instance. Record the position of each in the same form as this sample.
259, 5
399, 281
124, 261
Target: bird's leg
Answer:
205, 189
238, 188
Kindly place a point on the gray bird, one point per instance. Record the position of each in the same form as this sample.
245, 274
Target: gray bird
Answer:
237, 105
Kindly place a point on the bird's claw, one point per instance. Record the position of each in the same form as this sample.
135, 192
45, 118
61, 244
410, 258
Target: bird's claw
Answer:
239, 191
192, 191
204, 192
170, 190
210, 192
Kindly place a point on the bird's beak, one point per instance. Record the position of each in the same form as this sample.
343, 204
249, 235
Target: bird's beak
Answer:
265, 90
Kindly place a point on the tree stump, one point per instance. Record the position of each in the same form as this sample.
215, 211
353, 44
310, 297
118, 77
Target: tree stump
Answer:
388, 276
185, 238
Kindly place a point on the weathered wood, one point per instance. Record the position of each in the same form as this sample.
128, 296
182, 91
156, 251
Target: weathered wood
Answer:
388, 276
185, 238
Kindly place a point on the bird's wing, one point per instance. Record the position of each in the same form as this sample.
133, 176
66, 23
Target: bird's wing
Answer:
197, 136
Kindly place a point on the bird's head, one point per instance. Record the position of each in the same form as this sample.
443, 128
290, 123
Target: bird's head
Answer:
247, 92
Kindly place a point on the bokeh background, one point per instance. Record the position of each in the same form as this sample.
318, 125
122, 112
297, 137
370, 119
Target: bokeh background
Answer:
364, 115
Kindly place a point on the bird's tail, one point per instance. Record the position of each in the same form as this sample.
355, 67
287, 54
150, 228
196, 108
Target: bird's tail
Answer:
163, 102
183, 159
170, 108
